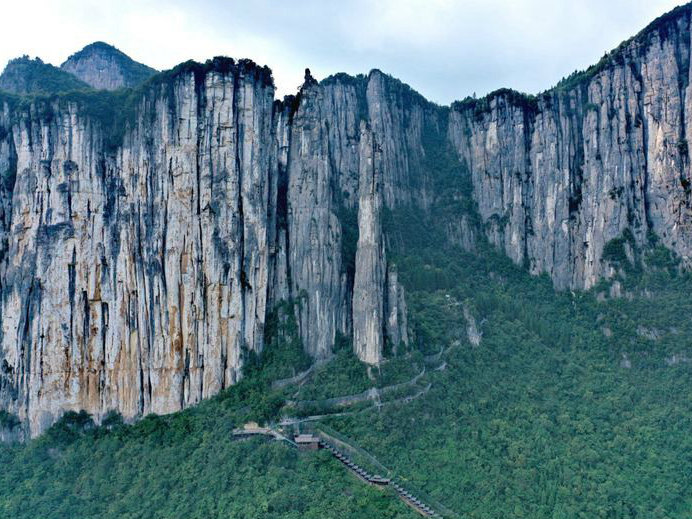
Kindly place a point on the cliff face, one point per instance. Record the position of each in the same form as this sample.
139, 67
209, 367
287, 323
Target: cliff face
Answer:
559, 176
138, 268
136, 278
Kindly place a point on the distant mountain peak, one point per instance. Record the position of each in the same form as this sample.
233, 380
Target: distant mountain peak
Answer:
103, 66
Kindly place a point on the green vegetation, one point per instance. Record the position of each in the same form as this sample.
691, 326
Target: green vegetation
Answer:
8, 420
33, 76
615, 251
284, 355
182, 466
186, 465
543, 419
574, 405
570, 407
346, 375
480, 107
349, 239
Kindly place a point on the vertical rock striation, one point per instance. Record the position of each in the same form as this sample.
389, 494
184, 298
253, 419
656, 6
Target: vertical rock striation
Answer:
136, 280
145, 237
604, 153
369, 281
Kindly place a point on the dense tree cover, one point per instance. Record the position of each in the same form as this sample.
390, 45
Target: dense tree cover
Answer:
345, 374
184, 465
33, 76
574, 404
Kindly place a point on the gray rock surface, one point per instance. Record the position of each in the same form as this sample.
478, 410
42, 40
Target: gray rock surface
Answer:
369, 283
102, 66
137, 270
558, 177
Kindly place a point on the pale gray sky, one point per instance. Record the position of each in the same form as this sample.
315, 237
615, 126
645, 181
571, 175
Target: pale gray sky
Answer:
445, 49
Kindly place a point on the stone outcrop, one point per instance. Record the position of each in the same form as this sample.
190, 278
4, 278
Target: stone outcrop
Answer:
369, 282
143, 241
135, 278
395, 311
102, 66
135, 281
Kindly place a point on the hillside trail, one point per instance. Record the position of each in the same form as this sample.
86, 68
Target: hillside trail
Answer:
345, 450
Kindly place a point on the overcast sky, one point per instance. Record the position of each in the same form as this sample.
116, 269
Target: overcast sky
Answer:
444, 49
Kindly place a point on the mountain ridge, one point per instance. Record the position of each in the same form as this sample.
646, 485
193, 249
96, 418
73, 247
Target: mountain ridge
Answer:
24, 75
162, 244
103, 66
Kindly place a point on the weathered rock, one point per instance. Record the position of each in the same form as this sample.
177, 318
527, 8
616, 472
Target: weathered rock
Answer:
102, 66
369, 282
557, 177
473, 334
137, 269
395, 310
136, 281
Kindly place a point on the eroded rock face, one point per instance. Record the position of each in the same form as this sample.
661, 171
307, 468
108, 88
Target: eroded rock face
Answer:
355, 147
395, 310
369, 283
557, 178
136, 274
135, 279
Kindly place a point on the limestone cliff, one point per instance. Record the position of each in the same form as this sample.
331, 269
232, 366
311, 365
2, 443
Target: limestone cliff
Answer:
556, 177
137, 270
145, 235
134, 279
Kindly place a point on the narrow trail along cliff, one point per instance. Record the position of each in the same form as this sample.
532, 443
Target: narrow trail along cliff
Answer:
146, 234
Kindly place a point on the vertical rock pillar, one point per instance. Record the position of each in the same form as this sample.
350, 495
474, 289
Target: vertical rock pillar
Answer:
369, 279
